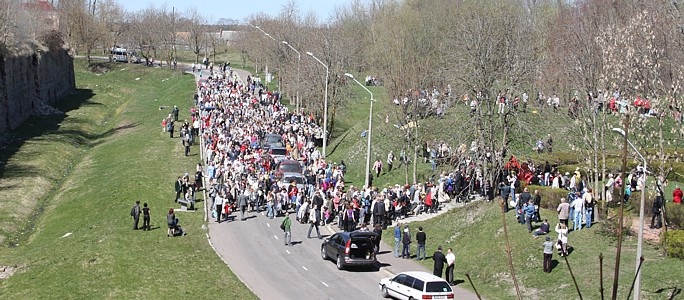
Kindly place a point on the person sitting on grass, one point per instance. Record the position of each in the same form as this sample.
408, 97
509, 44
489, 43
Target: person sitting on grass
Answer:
543, 229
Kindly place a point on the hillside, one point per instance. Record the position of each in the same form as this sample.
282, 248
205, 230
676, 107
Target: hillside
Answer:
475, 232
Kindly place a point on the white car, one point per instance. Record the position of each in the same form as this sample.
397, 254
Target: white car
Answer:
415, 285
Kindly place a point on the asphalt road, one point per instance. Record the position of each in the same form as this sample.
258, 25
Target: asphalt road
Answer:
254, 249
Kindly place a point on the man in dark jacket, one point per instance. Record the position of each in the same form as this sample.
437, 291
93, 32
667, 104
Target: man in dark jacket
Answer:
656, 222
179, 188
440, 260
504, 191
135, 213
242, 201
420, 239
379, 212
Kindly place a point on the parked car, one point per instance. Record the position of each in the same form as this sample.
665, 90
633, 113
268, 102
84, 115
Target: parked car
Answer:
278, 153
272, 140
350, 249
415, 285
288, 166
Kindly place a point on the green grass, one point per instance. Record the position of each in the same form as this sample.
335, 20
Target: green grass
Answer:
476, 235
106, 153
223, 54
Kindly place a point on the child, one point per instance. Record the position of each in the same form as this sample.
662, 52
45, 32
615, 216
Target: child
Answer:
163, 124
327, 215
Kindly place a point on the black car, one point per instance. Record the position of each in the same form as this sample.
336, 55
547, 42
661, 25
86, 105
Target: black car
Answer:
350, 249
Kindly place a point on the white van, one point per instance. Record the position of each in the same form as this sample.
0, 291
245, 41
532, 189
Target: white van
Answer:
415, 285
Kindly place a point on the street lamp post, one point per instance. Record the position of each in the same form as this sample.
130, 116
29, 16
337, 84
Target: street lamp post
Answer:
299, 58
370, 129
640, 240
325, 104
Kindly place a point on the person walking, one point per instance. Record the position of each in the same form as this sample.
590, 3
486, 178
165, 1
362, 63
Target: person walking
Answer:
406, 241
440, 260
420, 240
656, 221
589, 203
563, 212
286, 226
528, 210
450, 259
146, 217
562, 231
578, 210
171, 222
314, 220
397, 239
186, 144
377, 167
135, 213
218, 206
378, 231
548, 254
178, 188
170, 127
390, 161
537, 205
242, 201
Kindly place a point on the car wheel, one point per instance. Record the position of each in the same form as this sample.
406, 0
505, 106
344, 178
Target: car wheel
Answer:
324, 255
339, 263
385, 293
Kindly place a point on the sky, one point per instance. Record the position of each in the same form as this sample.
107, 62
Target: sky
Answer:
213, 10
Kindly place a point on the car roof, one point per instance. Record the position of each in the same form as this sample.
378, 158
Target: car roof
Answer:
289, 162
424, 276
293, 174
357, 233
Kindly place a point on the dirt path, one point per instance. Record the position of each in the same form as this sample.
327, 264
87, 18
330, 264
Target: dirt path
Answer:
652, 235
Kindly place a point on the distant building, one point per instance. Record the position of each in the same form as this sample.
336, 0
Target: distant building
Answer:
45, 12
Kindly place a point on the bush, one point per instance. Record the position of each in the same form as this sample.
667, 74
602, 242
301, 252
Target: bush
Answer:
675, 215
675, 243
550, 197
609, 227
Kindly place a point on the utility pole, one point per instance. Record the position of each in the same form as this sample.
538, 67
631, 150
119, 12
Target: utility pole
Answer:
173, 20
625, 146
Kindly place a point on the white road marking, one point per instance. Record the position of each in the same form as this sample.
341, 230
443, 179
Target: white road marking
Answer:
288, 251
275, 236
326, 285
262, 213
268, 225
303, 267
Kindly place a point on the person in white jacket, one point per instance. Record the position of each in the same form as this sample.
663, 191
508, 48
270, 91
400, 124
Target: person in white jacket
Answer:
562, 243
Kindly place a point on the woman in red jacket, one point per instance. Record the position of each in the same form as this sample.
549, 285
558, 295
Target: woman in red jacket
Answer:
677, 195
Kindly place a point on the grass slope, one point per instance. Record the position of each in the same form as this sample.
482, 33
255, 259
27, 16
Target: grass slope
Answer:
106, 153
475, 232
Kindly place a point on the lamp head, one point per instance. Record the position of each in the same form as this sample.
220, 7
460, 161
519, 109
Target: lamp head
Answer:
619, 131
284, 42
267, 34
309, 53
349, 75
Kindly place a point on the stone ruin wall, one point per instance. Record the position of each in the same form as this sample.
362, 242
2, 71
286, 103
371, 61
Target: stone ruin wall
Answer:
31, 81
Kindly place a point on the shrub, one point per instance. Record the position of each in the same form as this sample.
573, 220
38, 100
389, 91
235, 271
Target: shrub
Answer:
675, 243
609, 226
550, 197
675, 215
